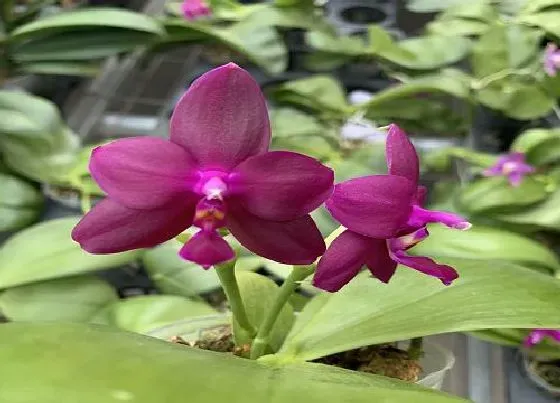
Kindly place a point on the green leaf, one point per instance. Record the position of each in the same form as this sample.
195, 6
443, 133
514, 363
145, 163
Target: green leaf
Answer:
504, 47
430, 52
320, 93
174, 275
515, 338
291, 17
441, 159
480, 10
20, 203
429, 6
545, 215
541, 146
46, 251
98, 19
146, 370
484, 243
80, 46
548, 21
72, 299
258, 294
143, 314
495, 193
492, 295
332, 44
62, 68
291, 123
456, 26
516, 98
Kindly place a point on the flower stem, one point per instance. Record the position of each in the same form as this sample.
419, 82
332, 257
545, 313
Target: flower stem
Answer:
416, 348
226, 274
298, 274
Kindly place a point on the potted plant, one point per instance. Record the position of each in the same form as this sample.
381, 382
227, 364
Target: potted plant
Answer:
237, 189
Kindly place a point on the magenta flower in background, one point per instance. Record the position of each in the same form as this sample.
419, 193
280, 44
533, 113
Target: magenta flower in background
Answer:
384, 218
195, 9
215, 171
513, 166
538, 335
551, 59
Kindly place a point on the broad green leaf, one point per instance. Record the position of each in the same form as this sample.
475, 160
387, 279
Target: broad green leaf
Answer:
488, 294
516, 98
381, 44
173, 275
142, 314
296, 17
545, 214
321, 93
504, 47
258, 294
83, 45
495, 193
98, 19
484, 243
72, 299
433, 51
290, 123
20, 203
548, 21
480, 10
46, 251
344, 45
319, 147
126, 366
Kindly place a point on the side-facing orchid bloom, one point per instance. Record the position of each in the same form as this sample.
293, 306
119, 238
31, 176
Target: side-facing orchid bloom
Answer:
538, 335
215, 171
384, 218
511, 165
195, 9
551, 59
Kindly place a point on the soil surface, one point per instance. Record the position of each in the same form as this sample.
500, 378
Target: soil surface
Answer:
386, 360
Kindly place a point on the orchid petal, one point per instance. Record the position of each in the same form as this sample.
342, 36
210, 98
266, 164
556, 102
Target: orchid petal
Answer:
402, 159
111, 227
445, 273
342, 261
290, 242
376, 206
420, 217
534, 338
421, 195
379, 262
207, 248
222, 119
515, 178
142, 172
282, 185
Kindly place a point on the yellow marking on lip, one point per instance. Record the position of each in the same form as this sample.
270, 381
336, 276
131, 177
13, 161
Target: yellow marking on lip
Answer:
209, 215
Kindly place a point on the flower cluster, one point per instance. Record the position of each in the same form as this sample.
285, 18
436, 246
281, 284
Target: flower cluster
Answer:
195, 9
551, 59
216, 172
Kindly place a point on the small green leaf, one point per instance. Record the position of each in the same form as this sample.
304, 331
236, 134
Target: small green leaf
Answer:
484, 243
492, 294
534, 6
432, 51
173, 275
541, 146
291, 123
121, 366
429, 6
258, 294
457, 26
47, 251
20, 203
143, 314
515, 338
495, 193
67, 68
72, 299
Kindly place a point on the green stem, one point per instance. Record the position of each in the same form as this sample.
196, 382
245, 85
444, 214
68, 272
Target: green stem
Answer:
262, 339
483, 82
416, 348
226, 274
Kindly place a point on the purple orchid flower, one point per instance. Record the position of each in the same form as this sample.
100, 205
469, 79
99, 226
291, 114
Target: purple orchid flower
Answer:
214, 172
195, 9
551, 59
384, 218
513, 166
538, 335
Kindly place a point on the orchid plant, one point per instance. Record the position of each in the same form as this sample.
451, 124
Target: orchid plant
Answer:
214, 189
